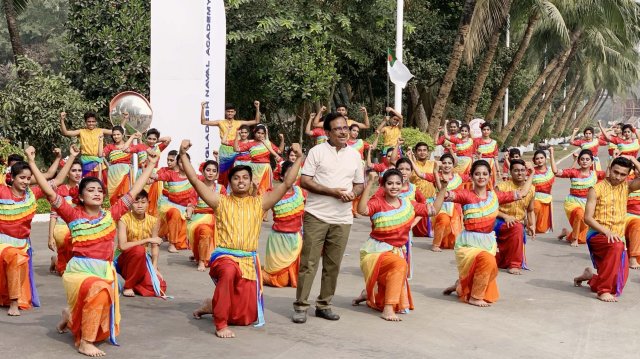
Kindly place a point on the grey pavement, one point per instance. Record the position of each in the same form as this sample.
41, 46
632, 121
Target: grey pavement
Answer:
539, 315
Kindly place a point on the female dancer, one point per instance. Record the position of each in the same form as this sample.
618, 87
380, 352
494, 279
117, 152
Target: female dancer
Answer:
119, 161
90, 279
487, 149
59, 234
589, 142
582, 179
476, 246
382, 256
543, 178
201, 221
465, 148
285, 240
260, 150
17, 208
448, 221
628, 144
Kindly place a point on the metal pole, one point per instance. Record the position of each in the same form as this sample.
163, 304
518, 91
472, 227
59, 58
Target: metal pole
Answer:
506, 93
134, 165
399, 27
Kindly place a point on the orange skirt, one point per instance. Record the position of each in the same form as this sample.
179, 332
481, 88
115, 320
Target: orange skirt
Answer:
388, 284
287, 277
14, 278
578, 227
446, 229
544, 217
174, 228
480, 281
632, 235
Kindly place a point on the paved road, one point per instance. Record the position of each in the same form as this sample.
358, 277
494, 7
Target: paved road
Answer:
539, 315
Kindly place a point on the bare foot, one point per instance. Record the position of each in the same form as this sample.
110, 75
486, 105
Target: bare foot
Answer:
563, 234
225, 333
128, 293
450, 289
361, 298
574, 243
607, 297
436, 249
201, 267
586, 275
172, 249
89, 349
14, 309
205, 308
478, 302
514, 271
52, 266
62, 324
633, 263
389, 315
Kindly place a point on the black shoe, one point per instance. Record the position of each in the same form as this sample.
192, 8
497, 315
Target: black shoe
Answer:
299, 316
327, 314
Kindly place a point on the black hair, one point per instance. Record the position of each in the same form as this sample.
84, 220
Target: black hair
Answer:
153, 131
330, 118
517, 162
284, 168
16, 169
480, 163
404, 160
353, 125
244, 127
540, 152
622, 162
465, 126
229, 106
236, 169
118, 128
513, 152
89, 114
420, 144
586, 152
485, 124
629, 126
588, 128
391, 172
76, 162
454, 122
260, 127
173, 153
389, 150
338, 105
209, 163
88, 180
14, 157
449, 156
141, 195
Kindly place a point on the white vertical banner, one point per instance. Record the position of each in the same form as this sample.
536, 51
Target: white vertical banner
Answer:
188, 45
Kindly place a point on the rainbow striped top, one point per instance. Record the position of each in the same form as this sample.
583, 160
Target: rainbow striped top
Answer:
16, 215
633, 203
543, 181
465, 148
629, 148
177, 189
116, 156
288, 212
580, 184
487, 150
392, 225
359, 145
202, 206
479, 215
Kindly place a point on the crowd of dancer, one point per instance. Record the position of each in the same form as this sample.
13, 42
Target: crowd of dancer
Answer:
109, 219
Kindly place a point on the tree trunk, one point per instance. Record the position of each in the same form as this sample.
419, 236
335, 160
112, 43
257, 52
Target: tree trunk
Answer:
584, 114
564, 104
539, 120
513, 67
418, 111
14, 31
533, 90
521, 129
483, 73
454, 65
599, 107
525, 122
571, 107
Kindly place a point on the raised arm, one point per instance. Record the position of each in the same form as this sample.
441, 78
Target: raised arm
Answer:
203, 118
437, 204
268, 145
282, 143
272, 197
256, 118
527, 185
211, 198
365, 115
236, 142
135, 136
63, 127
552, 159
381, 125
396, 114
396, 151
307, 130
604, 133
62, 175
141, 181
573, 136
363, 208
316, 120
51, 171
40, 180
635, 184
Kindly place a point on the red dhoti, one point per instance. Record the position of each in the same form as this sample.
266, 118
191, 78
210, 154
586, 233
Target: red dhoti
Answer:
610, 261
132, 265
234, 298
510, 246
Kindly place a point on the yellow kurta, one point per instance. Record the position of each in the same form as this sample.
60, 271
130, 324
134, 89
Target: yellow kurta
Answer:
89, 141
391, 135
427, 188
517, 209
239, 221
611, 206
138, 229
229, 129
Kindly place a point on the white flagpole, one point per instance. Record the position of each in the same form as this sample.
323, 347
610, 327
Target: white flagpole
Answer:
505, 115
399, 27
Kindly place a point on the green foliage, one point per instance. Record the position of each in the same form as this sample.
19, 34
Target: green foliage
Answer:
43, 206
411, 137
112, 47
30, 108
6, 149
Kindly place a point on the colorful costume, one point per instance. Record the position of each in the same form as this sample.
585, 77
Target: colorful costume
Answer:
448, 222
119, 173
489, 151
260, 163
424, 228
593, 146
543, 181
61, 232
201, 228
319, 136
391, 134
632, 229
577, 199
235, 266
627, 147
284, 244
135, 264
89, 144
90, 279
154, 189
476, 246
176, 195
465, 149
226, 154
16, 266
512, 240
443, 141
610, 259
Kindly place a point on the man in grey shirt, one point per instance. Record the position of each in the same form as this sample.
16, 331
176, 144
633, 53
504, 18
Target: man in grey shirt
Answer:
333, 174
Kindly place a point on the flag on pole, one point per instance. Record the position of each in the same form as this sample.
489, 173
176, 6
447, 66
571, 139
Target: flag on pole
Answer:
398, 72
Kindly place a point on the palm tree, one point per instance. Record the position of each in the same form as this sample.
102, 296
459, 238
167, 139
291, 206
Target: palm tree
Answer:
11, 9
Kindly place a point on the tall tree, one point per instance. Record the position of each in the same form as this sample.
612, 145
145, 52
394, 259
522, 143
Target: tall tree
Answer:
11, 8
